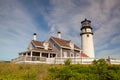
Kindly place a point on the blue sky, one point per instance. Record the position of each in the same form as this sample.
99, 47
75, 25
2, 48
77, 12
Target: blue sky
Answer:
19, 19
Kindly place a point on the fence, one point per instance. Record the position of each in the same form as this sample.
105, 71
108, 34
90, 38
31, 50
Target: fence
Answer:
113, 61
37, 59
74, 60
58, 60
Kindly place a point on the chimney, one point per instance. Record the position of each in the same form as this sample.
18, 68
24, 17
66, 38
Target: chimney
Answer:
59, 35
34, 36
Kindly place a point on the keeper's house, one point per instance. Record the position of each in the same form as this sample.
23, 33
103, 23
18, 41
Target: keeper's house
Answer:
54, 50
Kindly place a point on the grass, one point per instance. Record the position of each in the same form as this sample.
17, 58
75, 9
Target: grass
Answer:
11, 71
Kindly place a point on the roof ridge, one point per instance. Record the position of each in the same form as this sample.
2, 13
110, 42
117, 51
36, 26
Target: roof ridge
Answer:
64, 43
37, 41
60, 38
39, 44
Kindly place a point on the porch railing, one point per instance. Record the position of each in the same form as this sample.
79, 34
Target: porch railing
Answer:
29, 58
58, 60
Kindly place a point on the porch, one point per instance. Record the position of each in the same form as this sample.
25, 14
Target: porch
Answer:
35, 56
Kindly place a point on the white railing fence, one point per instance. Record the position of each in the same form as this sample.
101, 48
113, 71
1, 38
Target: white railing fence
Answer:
58, 60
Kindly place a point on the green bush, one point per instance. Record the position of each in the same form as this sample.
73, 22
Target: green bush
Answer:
67, 62
98, 71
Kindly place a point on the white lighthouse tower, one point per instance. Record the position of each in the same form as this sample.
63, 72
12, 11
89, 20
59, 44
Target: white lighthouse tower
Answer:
87, 44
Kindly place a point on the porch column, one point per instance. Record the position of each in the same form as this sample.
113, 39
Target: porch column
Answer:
40, 54
31, 53
21, 54
26, 54
48, 55
61, 53
61, 56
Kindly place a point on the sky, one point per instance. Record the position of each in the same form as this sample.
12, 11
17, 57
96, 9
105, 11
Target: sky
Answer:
19, 19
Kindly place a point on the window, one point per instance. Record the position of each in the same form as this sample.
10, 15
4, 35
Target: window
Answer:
71, 54
77, 55
88, 30
65, 54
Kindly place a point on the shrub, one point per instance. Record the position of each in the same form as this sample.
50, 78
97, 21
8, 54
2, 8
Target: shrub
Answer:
67, 62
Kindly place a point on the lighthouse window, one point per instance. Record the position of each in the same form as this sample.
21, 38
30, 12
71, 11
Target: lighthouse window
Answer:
88, 30
87, 35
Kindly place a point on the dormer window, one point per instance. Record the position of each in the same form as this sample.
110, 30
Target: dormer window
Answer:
46, 44
71, 44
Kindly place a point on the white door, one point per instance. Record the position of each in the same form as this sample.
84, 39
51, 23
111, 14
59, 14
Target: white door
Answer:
65, 54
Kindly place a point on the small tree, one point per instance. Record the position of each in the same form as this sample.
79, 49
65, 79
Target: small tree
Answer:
101, 68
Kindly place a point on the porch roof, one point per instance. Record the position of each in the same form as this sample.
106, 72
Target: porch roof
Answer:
38, 50
43, 51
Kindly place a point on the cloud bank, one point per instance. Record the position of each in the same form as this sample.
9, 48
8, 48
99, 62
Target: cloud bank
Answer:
66, 15
20, 19
16, 27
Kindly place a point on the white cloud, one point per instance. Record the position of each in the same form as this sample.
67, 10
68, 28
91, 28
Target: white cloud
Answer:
113, 53
115, 40
67, 15
16, 28
16, 25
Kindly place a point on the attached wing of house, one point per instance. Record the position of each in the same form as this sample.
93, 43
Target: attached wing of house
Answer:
64, 48
37, 51
37, 45
84, 55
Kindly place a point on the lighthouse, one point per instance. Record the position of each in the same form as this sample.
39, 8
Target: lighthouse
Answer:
87, 44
